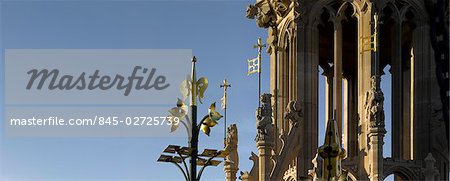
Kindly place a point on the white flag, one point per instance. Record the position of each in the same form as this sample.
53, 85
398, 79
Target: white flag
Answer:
223, 101
253, 66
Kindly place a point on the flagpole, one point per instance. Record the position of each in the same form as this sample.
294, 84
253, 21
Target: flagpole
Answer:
259, 72
225, 86
225, 125
259, 46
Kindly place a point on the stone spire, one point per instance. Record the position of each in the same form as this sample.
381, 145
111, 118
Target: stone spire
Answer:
328, 162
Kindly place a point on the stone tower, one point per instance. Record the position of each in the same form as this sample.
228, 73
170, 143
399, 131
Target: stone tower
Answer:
351, 42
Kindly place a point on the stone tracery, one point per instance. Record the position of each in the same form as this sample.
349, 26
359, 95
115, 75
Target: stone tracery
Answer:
306, 35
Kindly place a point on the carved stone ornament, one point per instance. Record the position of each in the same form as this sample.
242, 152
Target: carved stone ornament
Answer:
290, 174
231, 142
293, 113
281, 7
264, 118
254, 172
374, 104
272, 40
263, 12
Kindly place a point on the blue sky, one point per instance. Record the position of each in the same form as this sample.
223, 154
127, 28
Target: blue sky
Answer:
218, 34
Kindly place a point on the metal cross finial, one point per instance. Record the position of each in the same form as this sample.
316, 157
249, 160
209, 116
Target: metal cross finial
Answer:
259, 46
225, 85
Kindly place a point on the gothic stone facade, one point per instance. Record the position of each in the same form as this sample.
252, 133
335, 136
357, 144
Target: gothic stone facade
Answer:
351, 42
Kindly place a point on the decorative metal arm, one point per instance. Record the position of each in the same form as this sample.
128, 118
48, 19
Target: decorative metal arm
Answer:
184, 173
207, 164
185, 165
201, 122
187, 129
187, 119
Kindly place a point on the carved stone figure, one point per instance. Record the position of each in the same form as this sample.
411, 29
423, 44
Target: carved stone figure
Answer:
263, 12
231, 142
231, 163
374, 104
294, 112
264, 118
253, 174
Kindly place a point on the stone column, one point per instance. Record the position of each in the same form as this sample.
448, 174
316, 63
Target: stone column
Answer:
406, 119
350, 121
275, 79
376, 131
265, 162
429, 129
376, 136
328, 73
337, 97
346, 109
424, 83
397, 96
401, 86
363, 86
230, 173
375, 107
307, 93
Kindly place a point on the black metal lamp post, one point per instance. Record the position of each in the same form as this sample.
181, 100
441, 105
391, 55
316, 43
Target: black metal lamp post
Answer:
195, 88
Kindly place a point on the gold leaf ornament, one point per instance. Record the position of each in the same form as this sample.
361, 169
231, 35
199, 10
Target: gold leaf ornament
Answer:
211, 120
205, 129
178, 112
185, 88
202, 85
213, 114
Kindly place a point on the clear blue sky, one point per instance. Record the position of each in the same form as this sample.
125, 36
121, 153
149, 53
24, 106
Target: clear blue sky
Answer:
217, 32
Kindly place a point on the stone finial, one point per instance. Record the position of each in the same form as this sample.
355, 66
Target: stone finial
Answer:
430, 172
330, 155
429, 161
